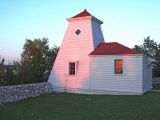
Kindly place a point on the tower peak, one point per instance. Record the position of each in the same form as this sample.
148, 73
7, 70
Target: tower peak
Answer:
82, 14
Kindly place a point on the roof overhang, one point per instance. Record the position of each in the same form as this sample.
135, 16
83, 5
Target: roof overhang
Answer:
85, 18
117, 55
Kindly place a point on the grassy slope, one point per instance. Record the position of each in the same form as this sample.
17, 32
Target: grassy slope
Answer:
84, 107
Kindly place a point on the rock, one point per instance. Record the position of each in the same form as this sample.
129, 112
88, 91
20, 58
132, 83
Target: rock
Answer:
19, 92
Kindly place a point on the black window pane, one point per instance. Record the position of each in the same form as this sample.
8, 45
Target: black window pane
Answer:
78, 32
71, 68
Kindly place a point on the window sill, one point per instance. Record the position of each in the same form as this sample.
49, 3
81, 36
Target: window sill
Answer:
72, 75
119, 74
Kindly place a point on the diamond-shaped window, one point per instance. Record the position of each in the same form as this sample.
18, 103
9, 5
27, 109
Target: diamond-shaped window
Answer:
78, 32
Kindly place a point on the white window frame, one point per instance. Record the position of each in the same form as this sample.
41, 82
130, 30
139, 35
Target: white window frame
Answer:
76, 68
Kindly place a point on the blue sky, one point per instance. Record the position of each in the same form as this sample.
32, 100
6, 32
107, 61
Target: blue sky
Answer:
125, 21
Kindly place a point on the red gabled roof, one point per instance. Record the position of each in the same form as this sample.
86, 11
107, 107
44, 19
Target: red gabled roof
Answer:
113, 48
82, 14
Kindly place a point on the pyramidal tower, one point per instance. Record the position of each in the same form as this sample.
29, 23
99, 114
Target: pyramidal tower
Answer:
71, 70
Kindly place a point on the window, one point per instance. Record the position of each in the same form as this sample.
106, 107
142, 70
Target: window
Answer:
72, 68
118, 66
77, 32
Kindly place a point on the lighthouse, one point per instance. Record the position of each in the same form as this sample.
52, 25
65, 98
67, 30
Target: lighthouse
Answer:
71, 70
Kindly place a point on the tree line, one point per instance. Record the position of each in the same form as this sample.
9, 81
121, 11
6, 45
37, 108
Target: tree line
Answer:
37, 60
35, 65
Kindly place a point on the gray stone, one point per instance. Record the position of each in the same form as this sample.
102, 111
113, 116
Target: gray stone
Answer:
20, 92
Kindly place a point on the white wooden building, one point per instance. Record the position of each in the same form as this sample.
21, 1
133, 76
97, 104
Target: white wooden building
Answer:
86, 64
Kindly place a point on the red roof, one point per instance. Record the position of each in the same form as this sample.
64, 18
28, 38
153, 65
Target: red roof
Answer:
113, 48
82, 14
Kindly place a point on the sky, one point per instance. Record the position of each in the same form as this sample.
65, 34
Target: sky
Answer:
125, 21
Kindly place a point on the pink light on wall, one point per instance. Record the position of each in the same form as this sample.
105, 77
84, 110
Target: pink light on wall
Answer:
129, 65
79, 40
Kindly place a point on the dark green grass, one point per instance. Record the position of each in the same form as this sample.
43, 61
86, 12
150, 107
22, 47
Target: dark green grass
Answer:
84, 107
156, 86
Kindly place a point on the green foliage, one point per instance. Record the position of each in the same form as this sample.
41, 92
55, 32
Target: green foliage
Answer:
8, 74
1, 71
52, 54
151, 49
36, 61
35, 65
138, 48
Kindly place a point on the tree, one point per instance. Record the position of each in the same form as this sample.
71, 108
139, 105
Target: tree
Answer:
52, 56
36, 60
152, 49
8, 74
35, 65
1, 71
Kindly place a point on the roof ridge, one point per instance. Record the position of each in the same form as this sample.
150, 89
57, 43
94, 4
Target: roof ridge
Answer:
84, 13
111, 42
108, 43
127, 47
121, 45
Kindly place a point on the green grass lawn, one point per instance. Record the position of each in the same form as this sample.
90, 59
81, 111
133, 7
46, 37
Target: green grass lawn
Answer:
58, 106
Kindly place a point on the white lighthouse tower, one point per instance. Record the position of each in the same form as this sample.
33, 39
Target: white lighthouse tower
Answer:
71, 71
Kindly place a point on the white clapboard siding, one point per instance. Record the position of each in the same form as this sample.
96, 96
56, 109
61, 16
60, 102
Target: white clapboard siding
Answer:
147, 74
75, 48
102, 76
